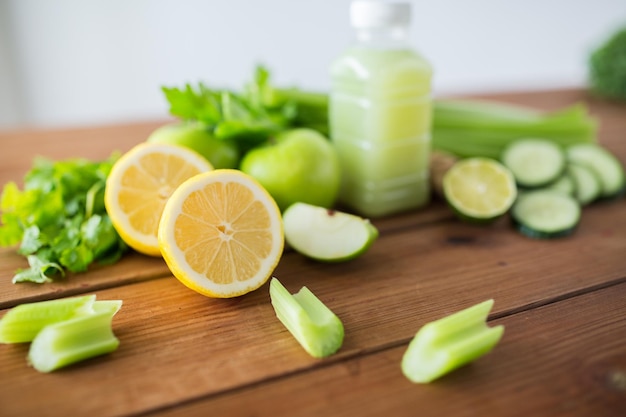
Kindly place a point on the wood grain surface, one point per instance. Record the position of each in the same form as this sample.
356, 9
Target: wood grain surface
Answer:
562, 302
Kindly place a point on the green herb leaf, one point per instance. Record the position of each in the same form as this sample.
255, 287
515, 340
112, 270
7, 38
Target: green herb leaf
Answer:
40, 271
31, 241
77, 259
249, 117
60, 218
98, 234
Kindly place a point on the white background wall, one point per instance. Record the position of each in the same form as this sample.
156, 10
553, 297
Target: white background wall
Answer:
72, 62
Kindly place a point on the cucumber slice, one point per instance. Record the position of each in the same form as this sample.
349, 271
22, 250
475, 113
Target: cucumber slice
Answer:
534, 162
588, 186
327, 235
608, 168
546, 214
564, 184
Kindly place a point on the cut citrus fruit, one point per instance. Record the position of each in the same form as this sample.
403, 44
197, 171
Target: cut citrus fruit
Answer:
221, 233
140, 183
479, 189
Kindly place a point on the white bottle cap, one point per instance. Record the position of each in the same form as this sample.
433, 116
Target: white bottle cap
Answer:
368, 14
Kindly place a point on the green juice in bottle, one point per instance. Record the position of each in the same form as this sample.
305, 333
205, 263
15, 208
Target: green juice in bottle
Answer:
380, 113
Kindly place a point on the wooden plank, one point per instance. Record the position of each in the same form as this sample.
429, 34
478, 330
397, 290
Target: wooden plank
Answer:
133, 267
178, 345
549, 363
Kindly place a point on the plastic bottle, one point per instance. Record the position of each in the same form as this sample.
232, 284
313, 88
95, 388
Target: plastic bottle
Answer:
380, 113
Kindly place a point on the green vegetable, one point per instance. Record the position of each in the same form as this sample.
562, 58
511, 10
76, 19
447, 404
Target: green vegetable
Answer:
586, 184
76, 339
249, 117
22, 323
62, 331
607, 67
311, 107
468, 128
604, 164
546, 214
315, 326
448, 343
534, 162
564, 184
59, 218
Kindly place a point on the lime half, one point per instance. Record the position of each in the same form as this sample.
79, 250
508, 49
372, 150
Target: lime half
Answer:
479, 189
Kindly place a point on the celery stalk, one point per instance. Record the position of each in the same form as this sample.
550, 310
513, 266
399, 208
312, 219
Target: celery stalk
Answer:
463, 127
22, 323
311, 107
76, 339
318, 330
448, 343
469, 128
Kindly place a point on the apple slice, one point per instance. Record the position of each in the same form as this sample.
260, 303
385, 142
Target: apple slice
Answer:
327, 235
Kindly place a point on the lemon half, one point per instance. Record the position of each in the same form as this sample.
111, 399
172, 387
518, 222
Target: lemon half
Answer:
140, 183
221, 233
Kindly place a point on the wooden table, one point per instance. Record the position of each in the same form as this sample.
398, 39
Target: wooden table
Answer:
562, 302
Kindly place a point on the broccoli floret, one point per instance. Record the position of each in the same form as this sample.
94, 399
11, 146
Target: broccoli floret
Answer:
607, 67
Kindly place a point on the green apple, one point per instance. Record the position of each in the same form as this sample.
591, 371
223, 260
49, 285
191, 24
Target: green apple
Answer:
296, 165
327, 235
196, 136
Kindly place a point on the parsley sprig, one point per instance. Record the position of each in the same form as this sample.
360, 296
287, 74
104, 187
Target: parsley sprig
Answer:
59, 219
